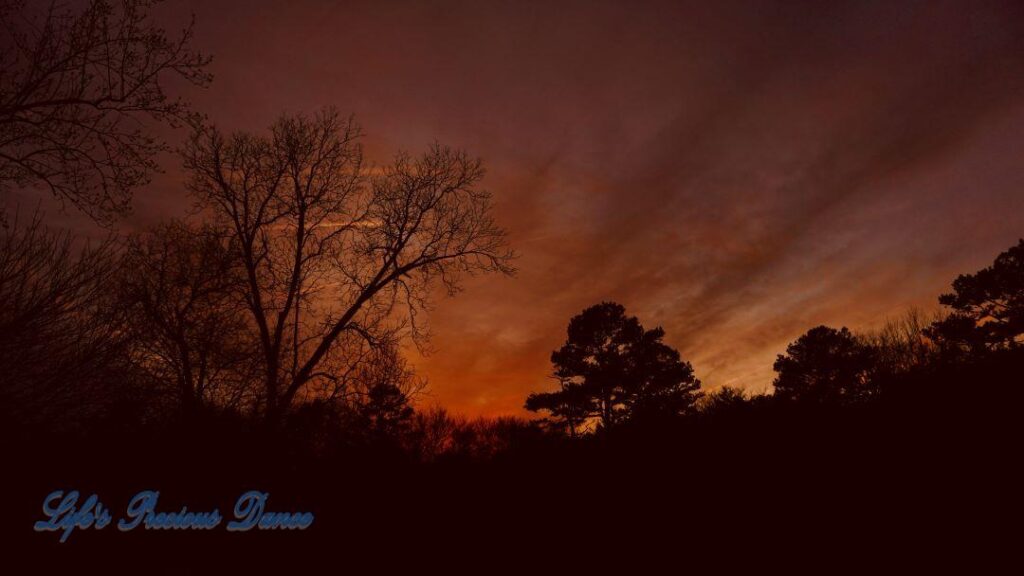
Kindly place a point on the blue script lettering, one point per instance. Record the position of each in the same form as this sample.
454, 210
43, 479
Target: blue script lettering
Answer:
65, 516
142, 509
250, 513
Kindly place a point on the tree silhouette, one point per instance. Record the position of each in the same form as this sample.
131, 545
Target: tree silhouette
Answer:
727, 400
330, 254
63, 343
385, 411
77, 89
179, 284
612, 369
988, 306
382, 391
659, 383
825, 365
429, 435
903, 344
570, 406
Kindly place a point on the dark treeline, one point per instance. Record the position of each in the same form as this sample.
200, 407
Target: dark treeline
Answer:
259, 343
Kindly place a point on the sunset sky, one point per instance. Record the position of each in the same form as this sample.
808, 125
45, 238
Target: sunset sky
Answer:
736, 172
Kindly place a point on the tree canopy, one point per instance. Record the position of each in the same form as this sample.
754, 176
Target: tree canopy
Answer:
988, 306
825, 365
613, 370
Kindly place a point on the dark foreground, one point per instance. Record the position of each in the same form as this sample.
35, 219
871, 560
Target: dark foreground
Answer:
929, 476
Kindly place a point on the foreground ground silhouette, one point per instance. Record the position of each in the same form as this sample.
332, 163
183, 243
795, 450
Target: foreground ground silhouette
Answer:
930, 467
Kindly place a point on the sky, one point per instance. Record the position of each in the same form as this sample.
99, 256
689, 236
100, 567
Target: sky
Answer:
735, 172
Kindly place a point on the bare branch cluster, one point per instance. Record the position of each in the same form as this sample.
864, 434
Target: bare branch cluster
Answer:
61, 339
80, 92
337, 257
179, 288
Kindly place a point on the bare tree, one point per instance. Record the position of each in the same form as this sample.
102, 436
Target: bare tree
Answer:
180, 286
434, 434
62, 347
431, 433
903, 344
332, 252
77, 89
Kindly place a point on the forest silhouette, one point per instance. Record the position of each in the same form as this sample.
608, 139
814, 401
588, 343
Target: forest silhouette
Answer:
258, 344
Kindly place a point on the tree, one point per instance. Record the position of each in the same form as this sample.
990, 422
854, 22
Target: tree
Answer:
825, 365
330, 253
612, 369
180, 287
570, 406
726, 401
660, 385
63, 348
903, 344
78, 91
988, 306
383, 389
431, 432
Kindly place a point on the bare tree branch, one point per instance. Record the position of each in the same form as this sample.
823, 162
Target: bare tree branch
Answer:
330, 253
79, 93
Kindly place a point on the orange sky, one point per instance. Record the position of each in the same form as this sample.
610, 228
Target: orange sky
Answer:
735, 172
